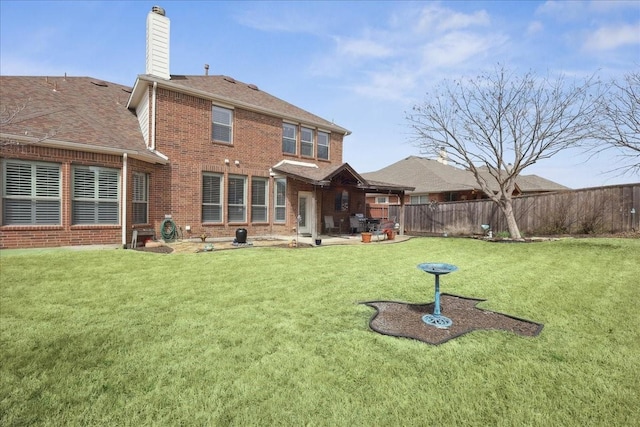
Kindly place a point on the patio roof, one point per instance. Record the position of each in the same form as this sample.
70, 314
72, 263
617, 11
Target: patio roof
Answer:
323, 176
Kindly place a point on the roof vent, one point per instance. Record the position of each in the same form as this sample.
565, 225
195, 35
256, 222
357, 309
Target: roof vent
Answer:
252, 86
100, 83
230, 79
158, 10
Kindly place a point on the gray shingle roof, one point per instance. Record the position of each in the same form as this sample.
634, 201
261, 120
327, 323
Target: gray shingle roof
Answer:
77, 110
431, 176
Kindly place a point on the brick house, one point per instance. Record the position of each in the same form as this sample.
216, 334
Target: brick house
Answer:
434, 180
88, 162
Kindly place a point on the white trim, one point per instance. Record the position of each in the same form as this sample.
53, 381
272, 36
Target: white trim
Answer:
295, 163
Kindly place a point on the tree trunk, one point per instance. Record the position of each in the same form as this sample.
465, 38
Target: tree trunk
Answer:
507, 210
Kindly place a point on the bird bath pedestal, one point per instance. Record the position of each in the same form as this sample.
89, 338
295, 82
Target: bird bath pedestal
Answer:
437, 269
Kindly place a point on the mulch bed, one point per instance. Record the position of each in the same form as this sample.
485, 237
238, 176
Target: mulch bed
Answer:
400, 319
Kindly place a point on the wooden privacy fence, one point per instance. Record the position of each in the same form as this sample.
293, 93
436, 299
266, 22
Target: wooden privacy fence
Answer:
610, 209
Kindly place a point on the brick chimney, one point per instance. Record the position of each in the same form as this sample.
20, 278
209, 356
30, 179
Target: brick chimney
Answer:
158, 43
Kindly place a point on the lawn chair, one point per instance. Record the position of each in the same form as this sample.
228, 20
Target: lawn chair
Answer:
329, 224
378, 230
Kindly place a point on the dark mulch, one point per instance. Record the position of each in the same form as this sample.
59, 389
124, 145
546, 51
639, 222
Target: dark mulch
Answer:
405, 320
155, 249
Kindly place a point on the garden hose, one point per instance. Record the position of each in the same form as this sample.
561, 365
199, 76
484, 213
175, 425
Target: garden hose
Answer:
168, 230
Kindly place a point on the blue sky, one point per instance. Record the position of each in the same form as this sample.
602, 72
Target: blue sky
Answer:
361, 64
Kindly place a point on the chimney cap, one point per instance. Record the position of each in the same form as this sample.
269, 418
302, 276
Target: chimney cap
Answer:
159, 10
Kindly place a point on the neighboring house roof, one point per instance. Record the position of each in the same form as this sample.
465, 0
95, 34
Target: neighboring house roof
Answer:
227, 90
432, 176
79, 113
312, 173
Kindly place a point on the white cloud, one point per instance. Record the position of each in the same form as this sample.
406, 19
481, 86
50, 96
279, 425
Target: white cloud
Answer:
361, 48
612, 37
457, 47
535, 27
436, 18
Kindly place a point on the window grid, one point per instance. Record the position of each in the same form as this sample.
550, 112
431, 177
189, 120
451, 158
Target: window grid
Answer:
323, 145
222, 125
289, 138
306, 142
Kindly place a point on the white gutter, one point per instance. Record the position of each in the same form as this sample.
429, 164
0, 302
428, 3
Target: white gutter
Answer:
125, 171
153, 117
147, 156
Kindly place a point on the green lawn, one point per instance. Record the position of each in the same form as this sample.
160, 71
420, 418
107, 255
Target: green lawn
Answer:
273, 336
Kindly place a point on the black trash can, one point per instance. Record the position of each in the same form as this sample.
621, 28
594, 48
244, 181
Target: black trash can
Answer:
241, 235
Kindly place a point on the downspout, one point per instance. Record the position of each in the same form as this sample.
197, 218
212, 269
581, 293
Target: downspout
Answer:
153, 116
125, 172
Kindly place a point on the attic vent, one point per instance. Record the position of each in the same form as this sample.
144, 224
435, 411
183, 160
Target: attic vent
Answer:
230, 79
252, 86
127, 90
100, 83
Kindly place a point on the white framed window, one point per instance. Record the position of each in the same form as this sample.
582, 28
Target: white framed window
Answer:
289, 138
140, 198
420, 200
212, 197
323, 145
306, 142
31, 193
259, 199
237, 199
95, 195
280, 200
382, 199
222, 125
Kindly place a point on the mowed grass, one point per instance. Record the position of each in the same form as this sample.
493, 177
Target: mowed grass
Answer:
273, 336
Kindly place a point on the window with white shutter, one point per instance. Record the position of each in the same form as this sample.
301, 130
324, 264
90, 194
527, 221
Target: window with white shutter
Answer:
31, 193
259, 199
280, 200
212, 198
140, 198
95, 195
236, 199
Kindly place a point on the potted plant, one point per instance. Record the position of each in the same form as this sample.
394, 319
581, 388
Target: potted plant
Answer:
366, 237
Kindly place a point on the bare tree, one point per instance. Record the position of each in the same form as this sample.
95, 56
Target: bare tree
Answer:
499, 123
16, 114
619, 127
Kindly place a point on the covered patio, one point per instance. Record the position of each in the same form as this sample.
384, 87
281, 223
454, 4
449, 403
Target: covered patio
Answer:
325, 200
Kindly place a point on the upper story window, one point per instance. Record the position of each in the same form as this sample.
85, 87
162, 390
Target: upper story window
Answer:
96, 195
31, 193
289, 138
323, 145
222, 125
306, 142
